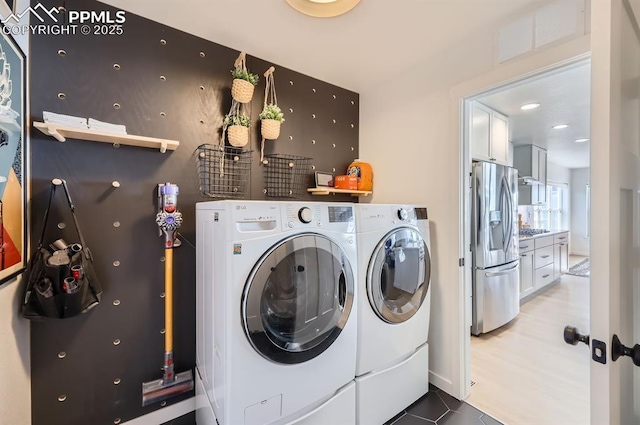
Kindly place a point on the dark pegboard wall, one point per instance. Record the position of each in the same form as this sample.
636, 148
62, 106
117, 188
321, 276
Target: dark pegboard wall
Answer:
176, 89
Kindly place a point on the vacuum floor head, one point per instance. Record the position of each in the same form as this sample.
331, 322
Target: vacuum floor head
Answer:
159, 390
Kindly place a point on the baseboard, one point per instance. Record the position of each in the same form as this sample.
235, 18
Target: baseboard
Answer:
444, 384
165, 414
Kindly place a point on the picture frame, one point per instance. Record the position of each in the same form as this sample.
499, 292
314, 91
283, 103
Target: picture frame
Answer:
324, 179
14, 154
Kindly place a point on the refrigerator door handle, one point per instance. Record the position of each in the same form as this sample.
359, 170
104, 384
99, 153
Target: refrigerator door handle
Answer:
502, 272
510, 216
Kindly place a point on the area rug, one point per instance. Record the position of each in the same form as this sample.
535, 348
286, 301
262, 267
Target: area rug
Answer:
580, 269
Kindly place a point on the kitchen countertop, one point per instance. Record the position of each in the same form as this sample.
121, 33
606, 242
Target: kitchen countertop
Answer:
541, 235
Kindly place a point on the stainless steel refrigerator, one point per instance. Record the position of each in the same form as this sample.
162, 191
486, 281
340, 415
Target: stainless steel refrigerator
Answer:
494, 246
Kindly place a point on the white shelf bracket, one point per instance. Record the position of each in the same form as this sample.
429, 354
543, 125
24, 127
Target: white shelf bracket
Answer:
163, 147
54, 133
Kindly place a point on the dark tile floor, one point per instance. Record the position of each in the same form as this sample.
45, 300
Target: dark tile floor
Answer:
438, 407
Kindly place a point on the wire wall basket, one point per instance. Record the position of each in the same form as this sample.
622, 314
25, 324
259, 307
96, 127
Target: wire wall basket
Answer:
224, 171
286, 176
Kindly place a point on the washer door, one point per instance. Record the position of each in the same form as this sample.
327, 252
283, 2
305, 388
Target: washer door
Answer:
298, 298
399, 274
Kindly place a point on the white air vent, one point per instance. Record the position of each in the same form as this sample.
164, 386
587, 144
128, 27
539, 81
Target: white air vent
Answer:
556, 21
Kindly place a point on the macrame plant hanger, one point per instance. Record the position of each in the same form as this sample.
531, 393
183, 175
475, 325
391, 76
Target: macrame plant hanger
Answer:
241, 94
270, 129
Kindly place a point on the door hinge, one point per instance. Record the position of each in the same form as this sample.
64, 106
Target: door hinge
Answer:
461, 262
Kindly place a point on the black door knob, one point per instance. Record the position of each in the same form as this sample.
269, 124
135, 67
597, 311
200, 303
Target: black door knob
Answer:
619, 350
572, 336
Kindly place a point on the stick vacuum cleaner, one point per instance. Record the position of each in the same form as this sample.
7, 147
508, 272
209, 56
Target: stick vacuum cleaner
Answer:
169, 220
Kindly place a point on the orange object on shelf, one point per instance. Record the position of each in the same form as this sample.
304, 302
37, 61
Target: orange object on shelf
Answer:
346, 182
364, 172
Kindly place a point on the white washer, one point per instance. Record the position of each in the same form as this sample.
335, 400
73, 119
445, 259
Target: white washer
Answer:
276, 314
394, 300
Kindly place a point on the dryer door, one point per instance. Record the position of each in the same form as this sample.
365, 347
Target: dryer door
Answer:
398, 275
298, 298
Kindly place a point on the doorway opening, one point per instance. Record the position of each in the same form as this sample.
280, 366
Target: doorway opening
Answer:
521, 369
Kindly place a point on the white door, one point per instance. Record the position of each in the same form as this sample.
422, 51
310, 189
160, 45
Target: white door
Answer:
615, 208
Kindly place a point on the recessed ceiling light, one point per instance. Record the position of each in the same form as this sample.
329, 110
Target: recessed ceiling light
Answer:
529, 106
581, 140
560, 126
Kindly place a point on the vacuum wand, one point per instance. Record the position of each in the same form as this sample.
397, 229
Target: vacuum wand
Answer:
168, 220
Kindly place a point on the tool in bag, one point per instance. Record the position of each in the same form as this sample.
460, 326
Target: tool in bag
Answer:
169, 220
61, 281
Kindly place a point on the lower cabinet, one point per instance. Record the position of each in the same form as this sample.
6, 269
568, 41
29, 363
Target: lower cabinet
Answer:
542, 261
526, 273
564, 257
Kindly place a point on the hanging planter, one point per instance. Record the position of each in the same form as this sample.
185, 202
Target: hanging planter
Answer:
270, 119
271, 116
237, 128
244, 82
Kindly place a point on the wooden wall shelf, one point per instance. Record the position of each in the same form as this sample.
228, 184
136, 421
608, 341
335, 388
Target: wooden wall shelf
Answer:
329, 190
62, 132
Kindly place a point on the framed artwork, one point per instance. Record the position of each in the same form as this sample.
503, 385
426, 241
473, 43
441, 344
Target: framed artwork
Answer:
13, 160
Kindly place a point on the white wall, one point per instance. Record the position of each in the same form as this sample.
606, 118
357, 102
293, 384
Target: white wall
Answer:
15, 375
409, 133
579, 241
557, 173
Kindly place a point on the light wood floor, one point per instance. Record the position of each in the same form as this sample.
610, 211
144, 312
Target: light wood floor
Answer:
525, 373
575, 259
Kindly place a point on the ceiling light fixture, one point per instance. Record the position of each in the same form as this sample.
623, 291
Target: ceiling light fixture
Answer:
323, 8
560, 126
581, 140
529, 106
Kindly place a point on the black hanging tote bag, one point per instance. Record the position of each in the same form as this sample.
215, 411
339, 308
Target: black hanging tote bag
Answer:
60, 278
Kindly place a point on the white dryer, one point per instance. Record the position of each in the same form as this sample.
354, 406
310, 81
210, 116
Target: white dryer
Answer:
394, 298
276, 314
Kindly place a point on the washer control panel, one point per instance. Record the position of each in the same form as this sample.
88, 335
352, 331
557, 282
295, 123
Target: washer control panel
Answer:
309, 215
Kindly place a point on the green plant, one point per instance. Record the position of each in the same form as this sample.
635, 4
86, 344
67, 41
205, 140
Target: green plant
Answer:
245, 75
272, 112
237, 119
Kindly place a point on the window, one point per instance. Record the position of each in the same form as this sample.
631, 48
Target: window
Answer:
552, 215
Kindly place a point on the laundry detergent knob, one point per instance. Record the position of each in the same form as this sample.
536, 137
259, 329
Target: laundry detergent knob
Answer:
305, 215
402, 214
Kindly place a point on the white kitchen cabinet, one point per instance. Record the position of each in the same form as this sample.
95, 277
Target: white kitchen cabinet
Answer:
563, 249
526, 274
543, 259
489, 135
531, 162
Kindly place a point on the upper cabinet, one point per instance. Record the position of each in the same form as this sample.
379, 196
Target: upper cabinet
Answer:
531, 162
489, 135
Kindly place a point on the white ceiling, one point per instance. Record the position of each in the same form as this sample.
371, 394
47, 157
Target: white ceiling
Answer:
374, 42
565, 99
